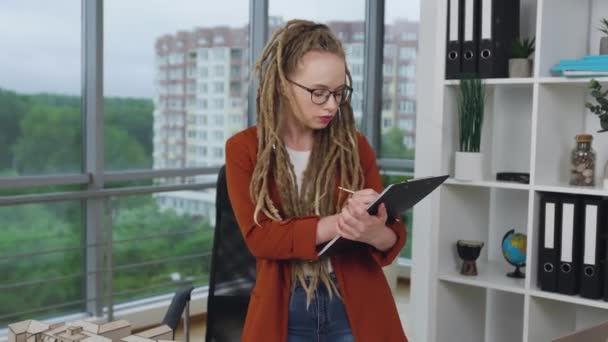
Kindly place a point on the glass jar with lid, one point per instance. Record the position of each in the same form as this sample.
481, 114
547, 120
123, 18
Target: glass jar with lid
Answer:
582, 162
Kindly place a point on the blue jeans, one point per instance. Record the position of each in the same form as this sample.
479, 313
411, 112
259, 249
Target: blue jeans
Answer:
324, 321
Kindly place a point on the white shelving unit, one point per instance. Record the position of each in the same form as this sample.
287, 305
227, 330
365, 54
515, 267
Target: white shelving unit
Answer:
529, 126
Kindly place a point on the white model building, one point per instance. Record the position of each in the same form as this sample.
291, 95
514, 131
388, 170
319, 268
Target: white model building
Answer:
84, 331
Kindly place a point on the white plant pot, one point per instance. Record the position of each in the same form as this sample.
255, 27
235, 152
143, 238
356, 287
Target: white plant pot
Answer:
520, 67
469, 166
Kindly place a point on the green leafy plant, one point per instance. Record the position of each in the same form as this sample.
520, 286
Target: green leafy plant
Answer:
601, 108
471, 104
603, 26
523, 47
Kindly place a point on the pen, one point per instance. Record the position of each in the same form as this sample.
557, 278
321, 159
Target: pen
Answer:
346, 190
352, 192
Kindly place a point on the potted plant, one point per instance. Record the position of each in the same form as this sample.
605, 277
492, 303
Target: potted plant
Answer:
520, 64
604, 40
600, 109
471, 104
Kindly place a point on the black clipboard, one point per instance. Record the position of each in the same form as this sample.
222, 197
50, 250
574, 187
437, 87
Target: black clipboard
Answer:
399, 197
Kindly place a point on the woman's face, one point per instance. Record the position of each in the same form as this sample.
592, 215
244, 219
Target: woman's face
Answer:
321, 72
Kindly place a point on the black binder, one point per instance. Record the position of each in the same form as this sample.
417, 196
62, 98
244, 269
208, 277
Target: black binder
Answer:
548, 242
593, 248
454, 40
470, 36
397, 198
499, 28
568, 274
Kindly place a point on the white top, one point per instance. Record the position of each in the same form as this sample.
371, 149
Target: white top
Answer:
299, 159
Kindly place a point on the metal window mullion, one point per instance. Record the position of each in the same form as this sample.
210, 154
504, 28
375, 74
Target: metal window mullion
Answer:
258, 33
406, 164
372, 65
43, 180
131, 175
93, 152
100, 194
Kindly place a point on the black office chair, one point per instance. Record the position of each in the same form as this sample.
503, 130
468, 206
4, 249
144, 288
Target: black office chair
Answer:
232, 274
180, 306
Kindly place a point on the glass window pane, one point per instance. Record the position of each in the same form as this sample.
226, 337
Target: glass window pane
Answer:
40, 87
398, 124
160, 242
346, 19
399, 86
41, 261
168, 80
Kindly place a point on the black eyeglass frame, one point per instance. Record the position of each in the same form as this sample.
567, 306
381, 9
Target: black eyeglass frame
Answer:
344, 99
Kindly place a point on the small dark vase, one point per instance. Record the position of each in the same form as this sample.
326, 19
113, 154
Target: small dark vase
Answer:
468, 251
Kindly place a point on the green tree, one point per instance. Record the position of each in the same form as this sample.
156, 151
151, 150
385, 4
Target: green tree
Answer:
122, 151
392, 145
50, 142
134, 116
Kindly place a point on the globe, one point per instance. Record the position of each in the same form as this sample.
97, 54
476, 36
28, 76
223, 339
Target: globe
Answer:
514, 251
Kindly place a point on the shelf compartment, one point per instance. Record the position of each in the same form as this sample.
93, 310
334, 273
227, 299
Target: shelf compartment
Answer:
561, 116
491, 275
506, 133
551, 316
461, 314
484, 214
562, 41
504, 316
471, 313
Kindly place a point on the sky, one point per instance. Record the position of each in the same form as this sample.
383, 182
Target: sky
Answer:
41, 39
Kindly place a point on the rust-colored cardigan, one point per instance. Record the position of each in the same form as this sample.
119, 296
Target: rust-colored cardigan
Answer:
367, 297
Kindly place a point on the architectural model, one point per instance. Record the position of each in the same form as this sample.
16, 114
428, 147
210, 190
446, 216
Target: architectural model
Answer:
84, 331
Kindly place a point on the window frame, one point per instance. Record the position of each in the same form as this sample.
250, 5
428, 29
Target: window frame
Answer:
93, 177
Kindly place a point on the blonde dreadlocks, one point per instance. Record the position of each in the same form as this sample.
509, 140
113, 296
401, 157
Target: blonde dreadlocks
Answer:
333, 154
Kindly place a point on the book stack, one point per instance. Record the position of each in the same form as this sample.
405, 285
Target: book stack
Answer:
588, 66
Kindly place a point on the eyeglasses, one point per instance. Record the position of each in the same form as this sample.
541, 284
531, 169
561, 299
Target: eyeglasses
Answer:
320, 95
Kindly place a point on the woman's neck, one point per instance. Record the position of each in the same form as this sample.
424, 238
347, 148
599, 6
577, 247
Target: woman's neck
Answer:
297, 136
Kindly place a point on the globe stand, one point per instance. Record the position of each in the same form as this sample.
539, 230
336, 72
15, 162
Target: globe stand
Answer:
517, 273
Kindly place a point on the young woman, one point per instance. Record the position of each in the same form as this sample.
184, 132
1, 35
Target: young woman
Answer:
283, 177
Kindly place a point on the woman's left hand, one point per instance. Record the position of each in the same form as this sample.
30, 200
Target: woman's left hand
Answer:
355, 223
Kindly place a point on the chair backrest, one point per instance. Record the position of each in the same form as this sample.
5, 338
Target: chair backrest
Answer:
232, 274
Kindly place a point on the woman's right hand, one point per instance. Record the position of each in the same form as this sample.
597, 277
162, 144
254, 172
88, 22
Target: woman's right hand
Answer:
364, 197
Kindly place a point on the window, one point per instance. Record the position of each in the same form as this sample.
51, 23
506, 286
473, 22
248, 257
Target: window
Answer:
387, 69
219, 71
40, 133
218, 104
218, 87
407, 53
203, 54
406, 106
218, 152
398, 141
410, 89
219, 53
